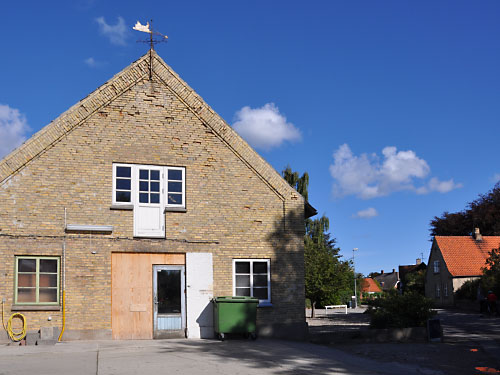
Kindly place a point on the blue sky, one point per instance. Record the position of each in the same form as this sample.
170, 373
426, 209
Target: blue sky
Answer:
392, 107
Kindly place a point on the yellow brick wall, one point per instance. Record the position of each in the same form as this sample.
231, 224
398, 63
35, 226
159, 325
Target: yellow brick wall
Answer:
231, 210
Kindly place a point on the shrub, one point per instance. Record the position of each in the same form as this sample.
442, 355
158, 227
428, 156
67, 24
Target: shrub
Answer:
394, 310
468, 290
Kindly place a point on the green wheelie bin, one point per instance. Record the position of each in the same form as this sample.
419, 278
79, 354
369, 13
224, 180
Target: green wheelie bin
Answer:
235, 315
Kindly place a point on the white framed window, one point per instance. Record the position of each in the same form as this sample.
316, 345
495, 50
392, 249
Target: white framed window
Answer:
122, 185
252, 278
438, 291
436, 266
175, 187
135, 183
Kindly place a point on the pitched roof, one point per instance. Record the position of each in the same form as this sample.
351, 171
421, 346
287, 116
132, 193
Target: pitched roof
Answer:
388, 280
370, 285
463, 255
116, 86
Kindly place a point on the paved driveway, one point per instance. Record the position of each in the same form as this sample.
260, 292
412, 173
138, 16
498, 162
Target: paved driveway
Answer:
191, 357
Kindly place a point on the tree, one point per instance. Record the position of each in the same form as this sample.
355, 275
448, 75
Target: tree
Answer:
328, 279
482, 213
298, 183
491, 273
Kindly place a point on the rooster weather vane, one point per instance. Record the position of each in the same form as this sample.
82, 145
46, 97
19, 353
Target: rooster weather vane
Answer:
154, 38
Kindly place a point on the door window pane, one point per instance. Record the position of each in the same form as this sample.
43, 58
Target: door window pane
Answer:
155, 175
169, 291
144, 174
155, 198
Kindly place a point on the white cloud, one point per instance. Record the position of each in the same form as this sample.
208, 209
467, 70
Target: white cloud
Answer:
116, 33
367, 176
366, 214
440, 186
93, 63
13, 129
265, 127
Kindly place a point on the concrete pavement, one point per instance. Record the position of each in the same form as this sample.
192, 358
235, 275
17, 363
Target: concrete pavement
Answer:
191, 357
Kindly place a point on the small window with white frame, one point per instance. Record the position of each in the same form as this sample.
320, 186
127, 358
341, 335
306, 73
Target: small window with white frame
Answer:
252, 278
436, 266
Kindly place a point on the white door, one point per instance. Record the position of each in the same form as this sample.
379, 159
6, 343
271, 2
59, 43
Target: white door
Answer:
169, 301
149, 219
199, 294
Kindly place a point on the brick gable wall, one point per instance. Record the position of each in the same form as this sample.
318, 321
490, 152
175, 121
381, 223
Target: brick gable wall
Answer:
232, 211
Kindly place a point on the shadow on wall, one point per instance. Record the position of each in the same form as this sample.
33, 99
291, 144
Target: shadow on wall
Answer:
287, 272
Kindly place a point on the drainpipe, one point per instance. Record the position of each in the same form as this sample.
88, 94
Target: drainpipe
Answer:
64, 280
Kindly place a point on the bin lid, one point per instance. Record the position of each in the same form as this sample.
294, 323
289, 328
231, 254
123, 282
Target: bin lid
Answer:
236, 299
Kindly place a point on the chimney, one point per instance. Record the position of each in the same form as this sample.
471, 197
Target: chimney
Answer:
393, 270
418, 261
477, 235
382, 272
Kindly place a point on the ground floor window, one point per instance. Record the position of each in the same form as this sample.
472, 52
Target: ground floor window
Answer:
438, 291
37, 280
252, 277
445, 289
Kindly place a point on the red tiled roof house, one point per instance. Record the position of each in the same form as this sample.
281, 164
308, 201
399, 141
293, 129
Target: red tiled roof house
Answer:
369, 288
455, 260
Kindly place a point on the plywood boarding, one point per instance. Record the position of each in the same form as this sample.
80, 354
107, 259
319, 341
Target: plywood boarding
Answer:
132, 292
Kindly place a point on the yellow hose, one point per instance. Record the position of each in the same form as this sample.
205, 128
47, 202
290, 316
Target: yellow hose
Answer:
63, 315
14, 335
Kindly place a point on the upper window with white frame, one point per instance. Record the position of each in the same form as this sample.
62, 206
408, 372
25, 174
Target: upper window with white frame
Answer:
252, 278
146, 184
37, 280
436, 266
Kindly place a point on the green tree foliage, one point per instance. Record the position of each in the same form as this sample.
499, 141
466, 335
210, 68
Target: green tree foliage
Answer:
394, 310
298, 183
490, 279
491, 273
328, 279
415, 282
482, 213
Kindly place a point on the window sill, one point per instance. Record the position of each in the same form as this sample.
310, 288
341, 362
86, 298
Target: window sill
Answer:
175, 209
36, 308
122, 207
265, 304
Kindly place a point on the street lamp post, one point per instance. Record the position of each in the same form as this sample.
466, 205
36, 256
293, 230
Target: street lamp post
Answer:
354, 270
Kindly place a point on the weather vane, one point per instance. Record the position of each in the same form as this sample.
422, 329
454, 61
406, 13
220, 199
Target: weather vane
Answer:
154, 38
